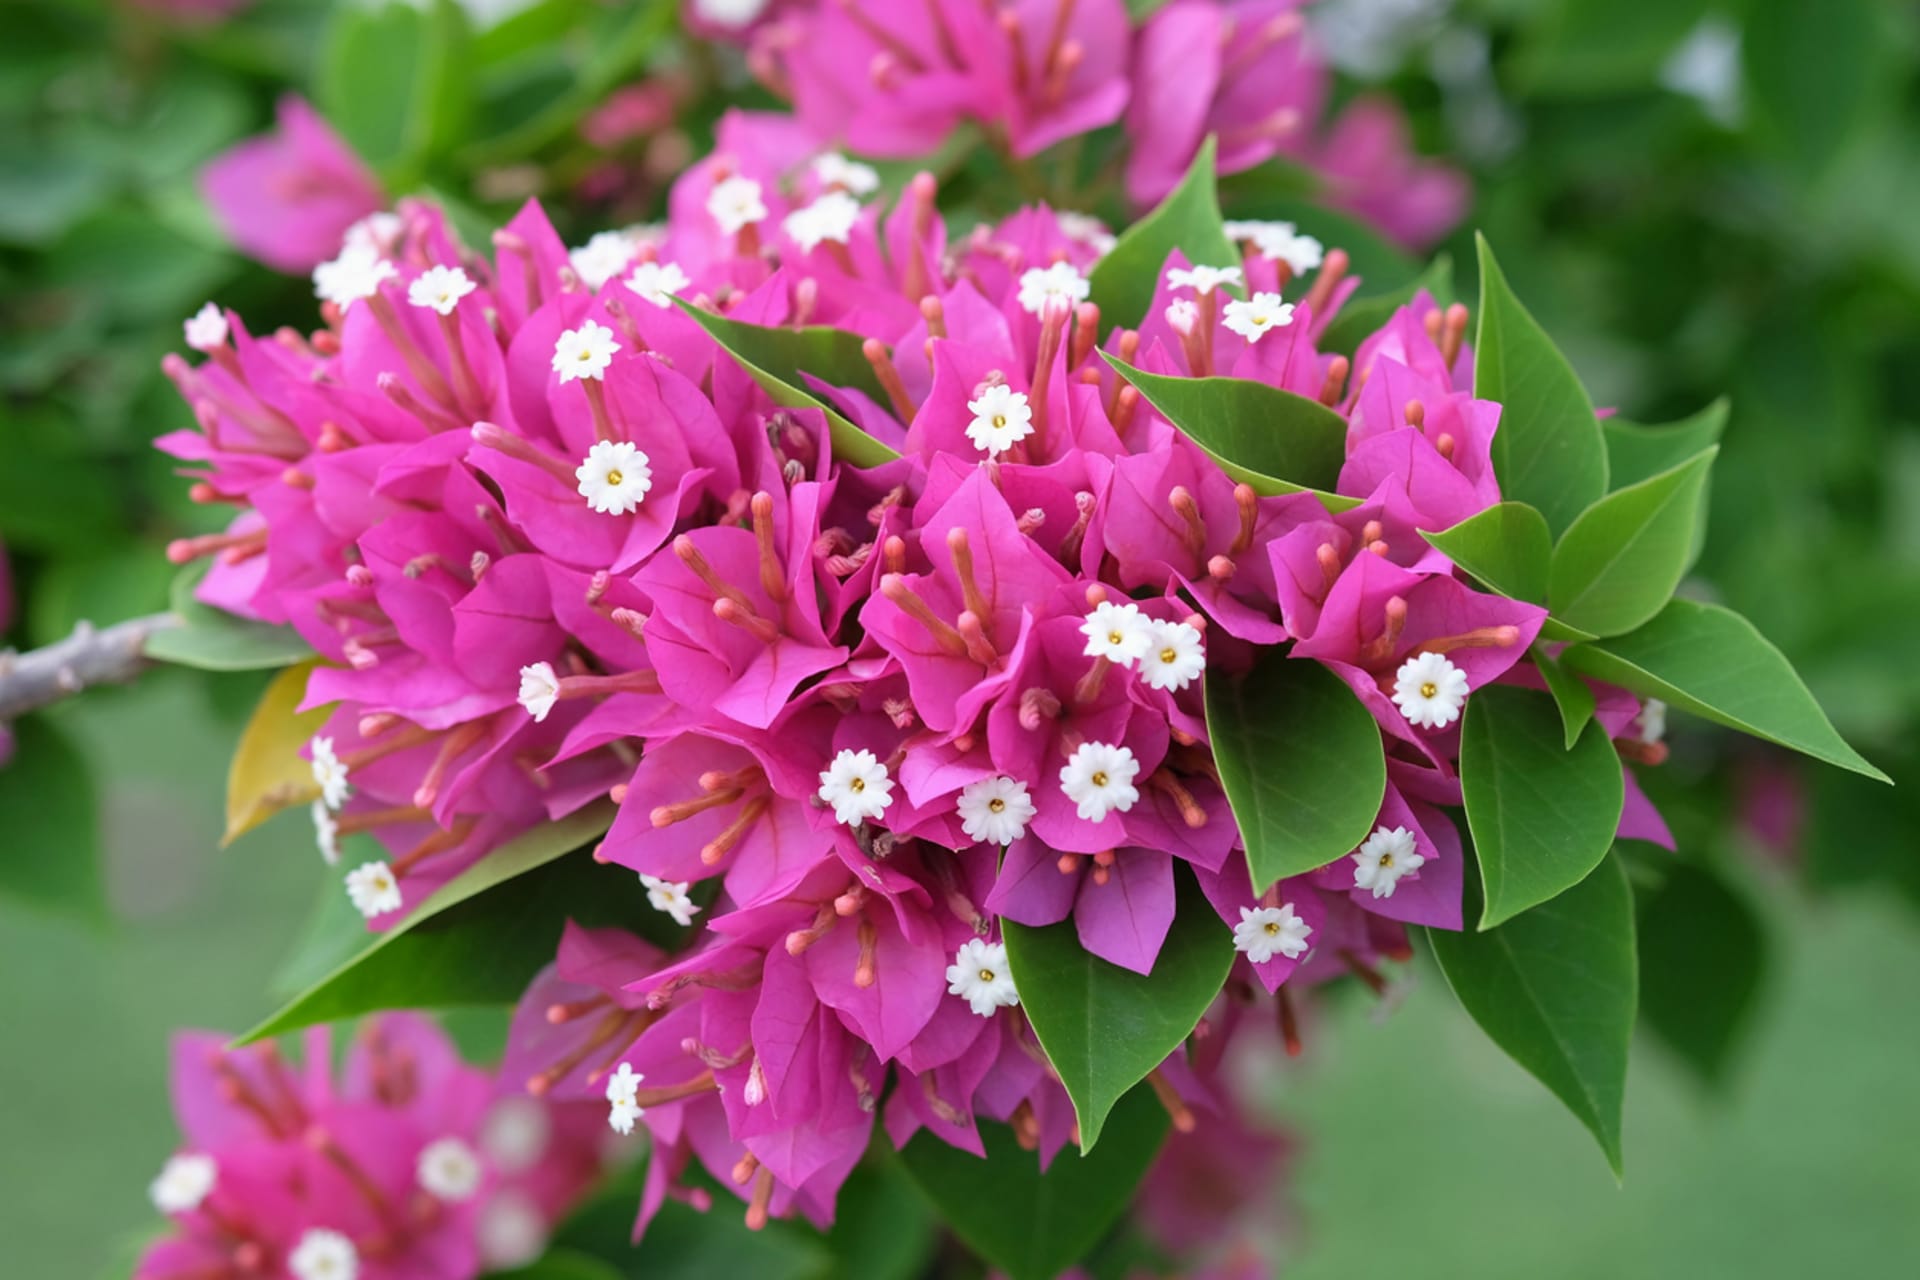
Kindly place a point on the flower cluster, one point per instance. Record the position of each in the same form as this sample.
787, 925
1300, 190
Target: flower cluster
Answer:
410, 1165
554, 544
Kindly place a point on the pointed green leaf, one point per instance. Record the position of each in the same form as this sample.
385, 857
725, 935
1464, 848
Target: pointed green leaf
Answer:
1506, 547
1029, 1224
1123, 282
1709, 950
1570, 694
51, 816
1542, 816
1548, 451
213, 640
775, 358
1301, 762
1619, 562
1272, 439
1103, 1027
1556, 988
1636, 453
1711, 661
1361, 317
562, 1264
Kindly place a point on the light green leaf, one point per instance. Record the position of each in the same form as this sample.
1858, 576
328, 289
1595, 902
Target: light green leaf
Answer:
1570, 694
1709, 952
561, 1264
212, 640
1103, 1027
1548, 451
1301, 762
1542, 816
1556, 988
1636, 453
1506, 547
1619, 562
1711, 661
1123, 282
1361, 317
51, 820
1813, 72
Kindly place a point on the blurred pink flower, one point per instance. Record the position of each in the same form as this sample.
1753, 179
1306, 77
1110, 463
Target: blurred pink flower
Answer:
287, 197
1371, 170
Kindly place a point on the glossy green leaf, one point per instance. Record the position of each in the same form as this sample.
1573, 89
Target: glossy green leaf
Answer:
1033, 1225
683, 1243
1570, 694
1123, 282
51, 818
1548, 452
1556, 988
1301, 762
1706, 951
1360, 317
213, 640
1619, 562
1103, 1027
562, 1264
1506, 547
883, 1228
1636, 452
1711, 661
394, 81
1542, 816
1250, 427
775, 358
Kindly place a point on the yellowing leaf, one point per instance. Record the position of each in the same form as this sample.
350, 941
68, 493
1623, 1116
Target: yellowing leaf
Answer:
267, 773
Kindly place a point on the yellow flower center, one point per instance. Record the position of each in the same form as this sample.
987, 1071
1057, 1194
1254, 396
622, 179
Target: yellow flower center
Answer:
858, 784
1100, 778
996, 804
1168, 656
614, 476
1000, 421
1386, 860
1273, 928
986, 975
1429, 689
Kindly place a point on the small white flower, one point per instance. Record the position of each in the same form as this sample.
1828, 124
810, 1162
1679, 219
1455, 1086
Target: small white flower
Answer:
1651, 723
831, 217
357, 273
671, 898
1241, 229
1301, 253
995, 810
326, 833
324, 1255
623, 1102
831, 169
440, 288
1061, 280
1088, 230
979, 975
1098, 778
657, 282
584, 352
511, 1231
735, 204
449, 1170
1119, 633
1252, 317
206, 328
539, 689
601, 258
857, 786
329, 773
515, 1133
1176, 655
1002, 418
184, 1181
373, 890
1266, 932
1181, 315
1203, 279
615, 478
1429, 690
376, 233
1388, 854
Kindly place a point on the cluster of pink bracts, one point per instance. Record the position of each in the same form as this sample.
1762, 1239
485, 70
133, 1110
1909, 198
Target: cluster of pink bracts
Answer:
553, 543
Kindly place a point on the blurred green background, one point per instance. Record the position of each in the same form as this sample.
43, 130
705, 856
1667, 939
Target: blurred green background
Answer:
1697, 197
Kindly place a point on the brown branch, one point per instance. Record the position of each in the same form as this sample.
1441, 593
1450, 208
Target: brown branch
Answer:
88, 657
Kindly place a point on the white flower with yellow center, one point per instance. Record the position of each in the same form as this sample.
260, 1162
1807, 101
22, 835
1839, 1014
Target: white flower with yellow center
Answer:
515, 1133
857, 787
736, 204
1202, 279
615, 478
539, 690
1301, 253
326, 833
329, 773
449, 1170
831, 217
623, 1101
980, 975
1252, 317
1002, 418
1119, 632
1098, 778
184, 1182
373, 889
601, 258
1176, 655
1388, 854
1429, 690
440, 288
1040, 285
658, 282
995, 810
357, 273
206, 328
670, 897
831, 169
1266, 932
324, 1255
584, 352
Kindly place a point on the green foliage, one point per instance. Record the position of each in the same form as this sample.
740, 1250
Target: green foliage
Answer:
49, 813
396, 81
1618, 563
1570, 693
1362, 316
1123, 282
1705, 952
213, 640
684, 1244
1507, 547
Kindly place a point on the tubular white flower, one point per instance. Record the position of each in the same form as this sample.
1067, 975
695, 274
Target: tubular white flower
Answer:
326, 833
357, 273
615, 478
1088, 230
539, 689
324, 1255
329, 773
511, 1231
1098, 778
449, 1170
584, 352
185, 1181
1176, 655
206, 328
1202, 279
1181, 315
995, 810
1301, 253
831, 169
831, 217
1252, 317
979, 975
377, 233
1429, 690
1266, 932
1651, 724
658, 282
1061, 280
515, 1133
440, 288
623, 1103
1002, 418
670, 897
856, 785
1388, 854
601, 258
373, 890
736, 204
1119, 633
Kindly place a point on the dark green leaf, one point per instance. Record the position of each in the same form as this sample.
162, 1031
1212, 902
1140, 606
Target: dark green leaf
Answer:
49, 813
1711, 661
1812, 72
1104, 1027
1361, 317
1031, 1225
561, 1264
1507, 547
1570, 694
684, 1244
1542, 816
1548, 452
881, 1227
1704, 951
1636, 453
1252, 429
1301, 761
1619, 562
1123, 282
1601, 47
212, 640
1555, 988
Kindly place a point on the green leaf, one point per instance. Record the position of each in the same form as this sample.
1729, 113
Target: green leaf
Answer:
775, 358
683, 1243
882, 1229
51, 818
1542, 816
1636, 453
1548, 452
1103, 1027
1812, 74
479, 939
266, 773
1361, 317
1123, 282
1570, 694
1033, 1225
1619, 562
1507, 547
213, 640
561, 1264
1711, 661
394, 81
1250, 428
1301, 762
1709, 951
1555, 988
